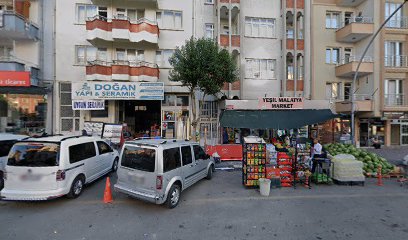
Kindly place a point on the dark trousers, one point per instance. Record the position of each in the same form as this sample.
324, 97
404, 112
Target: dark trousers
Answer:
315, 162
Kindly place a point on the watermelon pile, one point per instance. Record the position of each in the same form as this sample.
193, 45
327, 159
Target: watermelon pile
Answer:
371, 160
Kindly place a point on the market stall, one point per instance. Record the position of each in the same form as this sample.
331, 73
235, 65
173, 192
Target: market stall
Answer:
277, 151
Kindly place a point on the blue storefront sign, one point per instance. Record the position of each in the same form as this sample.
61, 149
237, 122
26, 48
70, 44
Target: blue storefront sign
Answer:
117, 91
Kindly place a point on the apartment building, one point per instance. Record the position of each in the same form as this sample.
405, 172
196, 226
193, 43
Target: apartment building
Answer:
22, 96
341, 31
104, 44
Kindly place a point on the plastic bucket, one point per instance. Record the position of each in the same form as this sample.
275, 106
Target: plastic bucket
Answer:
264, 186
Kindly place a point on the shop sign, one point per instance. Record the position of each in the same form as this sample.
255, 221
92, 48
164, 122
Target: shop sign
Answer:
395, 115
88, 104
117, 91
113, 132
282, 103
14, 79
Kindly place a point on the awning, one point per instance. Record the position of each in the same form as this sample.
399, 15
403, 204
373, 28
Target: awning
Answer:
274, 119
33, 90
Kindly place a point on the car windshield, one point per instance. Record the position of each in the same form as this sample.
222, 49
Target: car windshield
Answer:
143, 159
34, 154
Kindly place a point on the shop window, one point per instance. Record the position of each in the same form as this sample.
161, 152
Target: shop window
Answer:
101, 113
182, 101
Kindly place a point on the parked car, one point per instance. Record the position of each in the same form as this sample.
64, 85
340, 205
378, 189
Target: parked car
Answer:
7, 141
50, 167
158, 171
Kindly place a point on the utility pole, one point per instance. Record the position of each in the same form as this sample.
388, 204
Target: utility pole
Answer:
353, 85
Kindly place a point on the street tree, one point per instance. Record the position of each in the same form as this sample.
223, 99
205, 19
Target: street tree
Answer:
201, 65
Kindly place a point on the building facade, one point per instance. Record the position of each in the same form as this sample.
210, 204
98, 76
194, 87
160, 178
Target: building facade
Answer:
109, 42
22, 92
341, 31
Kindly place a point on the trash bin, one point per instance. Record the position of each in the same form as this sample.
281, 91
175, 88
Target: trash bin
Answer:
264, 186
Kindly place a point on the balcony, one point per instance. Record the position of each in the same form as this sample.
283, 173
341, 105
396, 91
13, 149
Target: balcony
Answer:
120, 29
396, 61
15, 27
235, 40
347, 68
349, 3
362, 103
398, 23
122, 71
395, 101
355, 29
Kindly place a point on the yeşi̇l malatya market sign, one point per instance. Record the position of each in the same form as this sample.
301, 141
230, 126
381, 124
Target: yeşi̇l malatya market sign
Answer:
117, 90
280, 103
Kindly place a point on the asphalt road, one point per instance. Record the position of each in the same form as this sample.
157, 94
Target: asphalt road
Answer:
218, 209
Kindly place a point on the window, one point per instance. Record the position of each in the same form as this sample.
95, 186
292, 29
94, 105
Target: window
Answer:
347, 91
260, 68
6, 52
260, 27
131, 55
209, 109
332, 20
397, 20
209, 30
85, 11
5, 147
129, 14
171, 159
209, 2
143, 159
182, 101
332, 55
69, 119
101, 113
162, 58
332, 90
186, 154
85, 54
103, 148
36, 154
393, 54
81, 152
199, 152
169, 19
393, 92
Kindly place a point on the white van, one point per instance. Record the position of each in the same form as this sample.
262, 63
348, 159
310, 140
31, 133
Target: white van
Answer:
158, 170
7, 141
50, 167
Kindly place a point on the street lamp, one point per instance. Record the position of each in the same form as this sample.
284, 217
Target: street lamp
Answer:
353, 86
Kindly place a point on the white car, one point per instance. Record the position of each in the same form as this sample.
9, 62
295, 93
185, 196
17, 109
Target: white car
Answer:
158, 171
50, 167
7, 141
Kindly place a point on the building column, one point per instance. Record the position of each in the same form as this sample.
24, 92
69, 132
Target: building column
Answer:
387, 137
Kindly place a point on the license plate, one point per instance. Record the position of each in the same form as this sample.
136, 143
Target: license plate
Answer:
31, 177
136, 178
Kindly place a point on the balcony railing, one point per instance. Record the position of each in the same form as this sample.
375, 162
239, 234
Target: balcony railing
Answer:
394, 100
396, 61
363, 20
17, 26
398, 22
350, 59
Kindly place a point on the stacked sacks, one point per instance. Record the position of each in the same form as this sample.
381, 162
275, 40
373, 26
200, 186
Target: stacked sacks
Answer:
347, 168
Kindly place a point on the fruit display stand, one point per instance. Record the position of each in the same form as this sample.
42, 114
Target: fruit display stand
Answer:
253, 161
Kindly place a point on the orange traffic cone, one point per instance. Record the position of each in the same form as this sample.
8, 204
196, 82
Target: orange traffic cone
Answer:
379, 176
107, 195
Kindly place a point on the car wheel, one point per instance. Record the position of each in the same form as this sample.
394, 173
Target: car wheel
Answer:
115, 165
173, 197
76, 187
210, 173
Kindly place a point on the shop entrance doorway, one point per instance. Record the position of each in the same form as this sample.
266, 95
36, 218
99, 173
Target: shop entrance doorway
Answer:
395, 134
141, 116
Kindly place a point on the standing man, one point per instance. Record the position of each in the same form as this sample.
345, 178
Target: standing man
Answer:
316, 153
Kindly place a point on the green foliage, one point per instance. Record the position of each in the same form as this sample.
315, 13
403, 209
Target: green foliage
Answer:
201, 65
